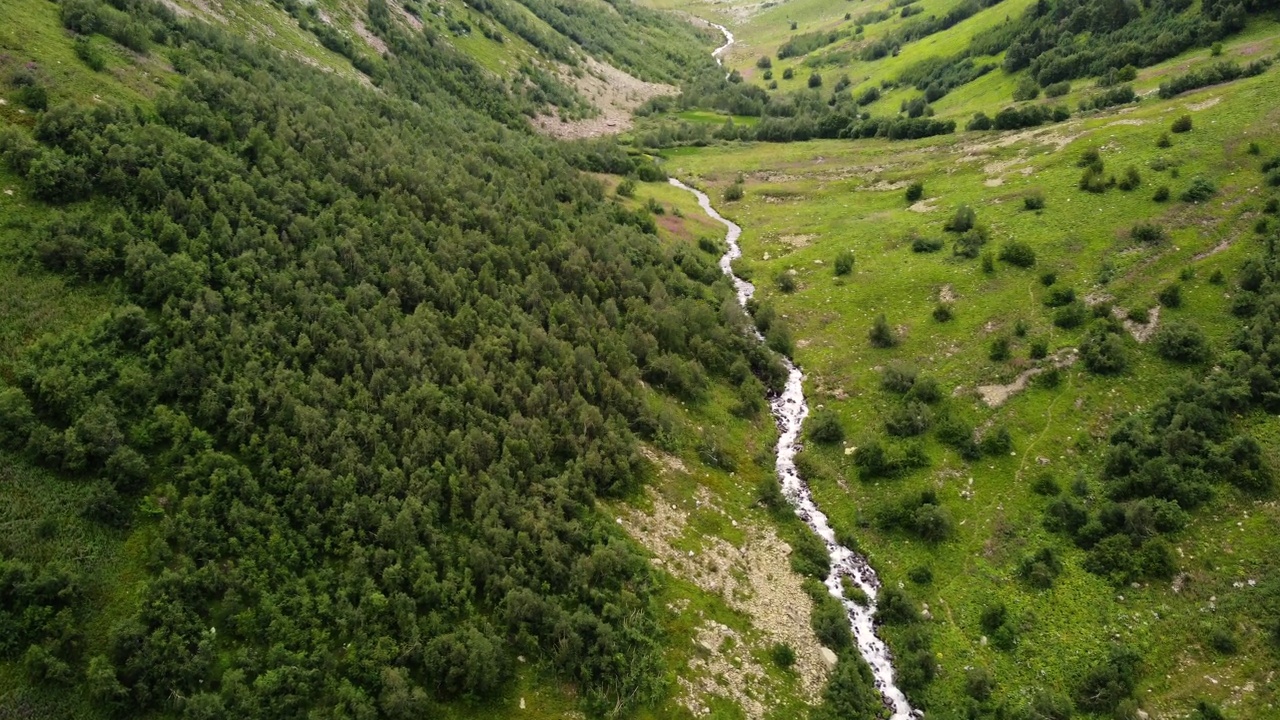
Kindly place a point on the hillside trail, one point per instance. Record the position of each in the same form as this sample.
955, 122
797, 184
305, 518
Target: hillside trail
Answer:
789, 411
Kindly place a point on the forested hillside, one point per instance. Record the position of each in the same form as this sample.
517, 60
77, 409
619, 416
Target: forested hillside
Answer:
358, 367
906, 69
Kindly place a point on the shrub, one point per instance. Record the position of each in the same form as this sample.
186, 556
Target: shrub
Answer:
988, 263
1223, 640
895, 608
999, 350
969, 244
1049, 379
1039, 349
1148, 233
980, 121
1071, 315
1111, 682
855, 594
815, 80
922, 244
1057, 89
844, 262
1130, 180
1048, 278
1020, 327
1161, 194
1027, 89
1182, 124
881, 335
90, 55
1170, 295
1163, 141
996, 441
1201, 189
926, 390
764, 62
1033, 200
830, 624
1272, 206
915, 191
768, 75
979, 684
1018, 253
1060, 296
1090, 157
626, 188
733, 192
1045, 485
782, 655
908, 420
1049, 705
809, 555
898, 377
34, 96
1103, 351
1042, 568
788, 73
785, 281
778, 339
868, 96
824, 427
1254, 149
942, 312
921, 575
1092, 180
1208, 710
962, 221
998, 624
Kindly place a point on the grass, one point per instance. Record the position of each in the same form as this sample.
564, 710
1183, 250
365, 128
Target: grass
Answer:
714, 118
806, 201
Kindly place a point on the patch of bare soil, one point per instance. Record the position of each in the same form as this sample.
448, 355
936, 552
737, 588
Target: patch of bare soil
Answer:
616, 94
924, 206
1205, 104
754, 579
1055, 136
885, 185
798, 241
1223, 245
414, 21
365, 34
203, 7
996, 395
1141, 332
947, 294
1126, 121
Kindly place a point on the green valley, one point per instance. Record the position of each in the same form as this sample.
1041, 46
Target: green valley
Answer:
369, 359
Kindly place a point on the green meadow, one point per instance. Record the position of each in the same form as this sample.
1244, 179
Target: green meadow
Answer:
805, 203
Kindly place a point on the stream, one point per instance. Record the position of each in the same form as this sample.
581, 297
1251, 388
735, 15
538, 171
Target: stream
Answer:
790, 410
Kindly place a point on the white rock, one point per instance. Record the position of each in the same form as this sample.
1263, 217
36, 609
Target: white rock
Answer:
829, 657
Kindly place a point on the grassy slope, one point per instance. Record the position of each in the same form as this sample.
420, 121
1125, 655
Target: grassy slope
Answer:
828, 190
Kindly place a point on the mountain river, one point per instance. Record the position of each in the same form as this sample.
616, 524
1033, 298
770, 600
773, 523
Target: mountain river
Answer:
789, 410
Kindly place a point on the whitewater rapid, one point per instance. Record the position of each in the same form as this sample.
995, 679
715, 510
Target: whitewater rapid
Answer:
789, 411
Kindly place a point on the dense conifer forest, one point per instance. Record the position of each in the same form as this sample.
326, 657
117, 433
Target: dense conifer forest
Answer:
377, 355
